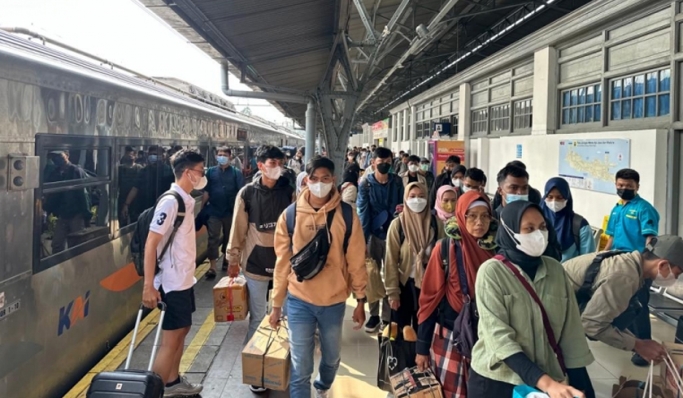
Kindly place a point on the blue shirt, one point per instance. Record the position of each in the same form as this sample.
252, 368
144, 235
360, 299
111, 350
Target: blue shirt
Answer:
587, 243
631, 222
222, 187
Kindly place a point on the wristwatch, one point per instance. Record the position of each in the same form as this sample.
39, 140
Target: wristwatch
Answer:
362, 300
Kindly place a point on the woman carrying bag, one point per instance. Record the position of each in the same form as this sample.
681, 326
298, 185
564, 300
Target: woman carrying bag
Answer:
410, 239
529, 324
469, 244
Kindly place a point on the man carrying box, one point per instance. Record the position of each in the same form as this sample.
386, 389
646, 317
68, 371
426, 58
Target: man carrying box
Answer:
606, 285
319, 263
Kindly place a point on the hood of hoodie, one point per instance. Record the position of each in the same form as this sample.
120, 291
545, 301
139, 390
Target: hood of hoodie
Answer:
303, 206
282, 183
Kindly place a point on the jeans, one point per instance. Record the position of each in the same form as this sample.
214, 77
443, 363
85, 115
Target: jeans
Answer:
303, 318
258, 300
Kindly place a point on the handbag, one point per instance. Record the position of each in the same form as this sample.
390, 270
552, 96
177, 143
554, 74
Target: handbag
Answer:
546, 322
395, 355
375, 290
311, 259
465, 325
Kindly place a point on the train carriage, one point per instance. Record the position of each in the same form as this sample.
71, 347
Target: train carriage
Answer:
68, 288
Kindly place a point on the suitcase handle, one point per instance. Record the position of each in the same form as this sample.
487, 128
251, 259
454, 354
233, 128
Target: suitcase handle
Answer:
162, 306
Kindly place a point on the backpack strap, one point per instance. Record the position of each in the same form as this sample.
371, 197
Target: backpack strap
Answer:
347, 212
401, 234
577, 220
445, 264
180, 217
290, 217
584, 294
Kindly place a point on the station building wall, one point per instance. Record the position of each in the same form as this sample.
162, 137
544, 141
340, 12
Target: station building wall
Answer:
608, 70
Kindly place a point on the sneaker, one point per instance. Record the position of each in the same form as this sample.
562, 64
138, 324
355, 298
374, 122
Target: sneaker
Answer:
257, 389
639, 361
183, 389
321, 393
373, 324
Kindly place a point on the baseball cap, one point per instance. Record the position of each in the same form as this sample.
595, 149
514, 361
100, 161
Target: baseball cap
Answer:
668, 247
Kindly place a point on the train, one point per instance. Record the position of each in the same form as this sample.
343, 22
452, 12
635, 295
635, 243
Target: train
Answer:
76, 138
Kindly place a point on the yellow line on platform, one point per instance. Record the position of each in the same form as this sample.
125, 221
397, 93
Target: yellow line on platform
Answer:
197, 343
118, 354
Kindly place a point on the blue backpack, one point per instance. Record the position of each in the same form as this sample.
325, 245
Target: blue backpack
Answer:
347, 213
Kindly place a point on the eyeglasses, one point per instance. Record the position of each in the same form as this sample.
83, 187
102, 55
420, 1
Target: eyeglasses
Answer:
481, 217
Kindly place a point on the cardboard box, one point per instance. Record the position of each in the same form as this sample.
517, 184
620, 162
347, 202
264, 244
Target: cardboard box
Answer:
634, 389
676, 352
411, 383
265, 359
230, 300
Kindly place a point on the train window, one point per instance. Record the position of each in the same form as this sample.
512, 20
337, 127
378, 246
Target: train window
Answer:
74, 201
142, 180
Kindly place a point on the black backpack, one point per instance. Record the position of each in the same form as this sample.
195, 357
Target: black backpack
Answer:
137, 244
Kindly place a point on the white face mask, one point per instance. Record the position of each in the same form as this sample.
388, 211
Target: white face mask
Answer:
466, 189
273, 172
457, 182
413, 168
665, 281
533, 244
556, 205
320, 189
199, 184
416, 205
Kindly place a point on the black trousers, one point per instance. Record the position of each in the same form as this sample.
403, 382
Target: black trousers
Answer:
406, 315
479, 386
641, 326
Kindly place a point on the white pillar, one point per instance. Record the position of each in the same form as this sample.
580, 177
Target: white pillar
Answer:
544, 119
464, 114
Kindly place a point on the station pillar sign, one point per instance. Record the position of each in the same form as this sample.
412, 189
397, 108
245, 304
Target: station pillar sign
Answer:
441, 150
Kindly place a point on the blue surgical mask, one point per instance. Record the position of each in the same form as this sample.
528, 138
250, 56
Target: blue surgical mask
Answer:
509, 198
222, 160
153, 158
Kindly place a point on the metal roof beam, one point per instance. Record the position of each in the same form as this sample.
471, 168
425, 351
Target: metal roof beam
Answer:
365, 18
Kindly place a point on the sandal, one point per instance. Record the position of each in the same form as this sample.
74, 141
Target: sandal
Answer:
210, 274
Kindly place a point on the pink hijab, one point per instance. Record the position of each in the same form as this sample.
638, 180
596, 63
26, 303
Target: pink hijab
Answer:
440, 212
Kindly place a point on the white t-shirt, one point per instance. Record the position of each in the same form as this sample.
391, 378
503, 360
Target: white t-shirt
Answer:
176, 269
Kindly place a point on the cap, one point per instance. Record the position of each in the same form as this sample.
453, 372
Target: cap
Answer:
668, 247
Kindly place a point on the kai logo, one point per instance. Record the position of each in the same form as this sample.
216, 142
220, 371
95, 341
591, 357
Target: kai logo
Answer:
73, 312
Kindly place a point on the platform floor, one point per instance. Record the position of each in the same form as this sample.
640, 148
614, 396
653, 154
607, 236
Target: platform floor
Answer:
212, 356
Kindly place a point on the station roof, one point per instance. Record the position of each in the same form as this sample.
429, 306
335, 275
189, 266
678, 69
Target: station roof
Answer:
392, 46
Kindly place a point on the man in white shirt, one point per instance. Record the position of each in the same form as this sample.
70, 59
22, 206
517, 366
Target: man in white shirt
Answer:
175, 281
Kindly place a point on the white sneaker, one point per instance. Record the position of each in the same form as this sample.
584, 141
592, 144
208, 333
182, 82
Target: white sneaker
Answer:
257, 389
183, 389
321, 393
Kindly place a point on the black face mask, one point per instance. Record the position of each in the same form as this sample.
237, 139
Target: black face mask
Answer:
626, 194
383, 168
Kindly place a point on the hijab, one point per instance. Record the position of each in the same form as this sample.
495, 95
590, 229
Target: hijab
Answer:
440, 212
416, 227
351, 176
300, 181
562, 221
434, 286
511, 216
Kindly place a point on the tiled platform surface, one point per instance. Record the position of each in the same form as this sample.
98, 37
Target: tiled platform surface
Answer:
217, 347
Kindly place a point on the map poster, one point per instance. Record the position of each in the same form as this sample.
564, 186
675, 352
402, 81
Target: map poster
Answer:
592, 164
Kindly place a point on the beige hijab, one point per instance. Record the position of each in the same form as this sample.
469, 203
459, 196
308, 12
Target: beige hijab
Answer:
416, 227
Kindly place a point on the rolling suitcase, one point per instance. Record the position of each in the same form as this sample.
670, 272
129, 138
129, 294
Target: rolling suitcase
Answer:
131, 383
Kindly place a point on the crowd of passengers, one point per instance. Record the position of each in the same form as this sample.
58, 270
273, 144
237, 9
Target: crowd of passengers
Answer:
526, 259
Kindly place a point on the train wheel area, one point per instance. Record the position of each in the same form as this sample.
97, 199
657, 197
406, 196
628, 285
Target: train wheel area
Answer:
212, 355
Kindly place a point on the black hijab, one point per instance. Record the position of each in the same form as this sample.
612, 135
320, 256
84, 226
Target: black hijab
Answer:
512, 216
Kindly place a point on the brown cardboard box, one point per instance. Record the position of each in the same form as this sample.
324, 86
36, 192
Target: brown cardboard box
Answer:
676, 352
411, 383
230, 299
265, 359
634, 389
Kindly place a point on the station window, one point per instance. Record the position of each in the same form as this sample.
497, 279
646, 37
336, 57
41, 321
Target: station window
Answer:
523, 111
480, 120
500, 118
640, 96
454, 125
582, 104
74, 200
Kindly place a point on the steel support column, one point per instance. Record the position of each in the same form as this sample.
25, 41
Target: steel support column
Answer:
310, 131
